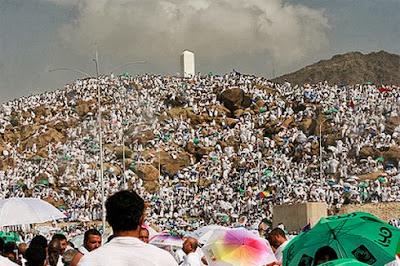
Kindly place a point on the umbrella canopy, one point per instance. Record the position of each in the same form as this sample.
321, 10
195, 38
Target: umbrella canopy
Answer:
9, 236
77, 241
16, 211
356, 235
344, 262
203, 234
152, 232
262, 194
166, 240
237, 247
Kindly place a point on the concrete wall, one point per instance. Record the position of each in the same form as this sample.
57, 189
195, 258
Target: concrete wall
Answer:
383, 210
296, 216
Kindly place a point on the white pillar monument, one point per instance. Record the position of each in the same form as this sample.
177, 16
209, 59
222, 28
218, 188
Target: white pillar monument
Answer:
187, 64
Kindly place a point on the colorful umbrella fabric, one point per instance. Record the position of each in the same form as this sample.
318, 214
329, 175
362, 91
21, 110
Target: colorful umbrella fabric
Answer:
9, 236
165, 240
262, 194
203, 234
356, 235
344, 262
237, 247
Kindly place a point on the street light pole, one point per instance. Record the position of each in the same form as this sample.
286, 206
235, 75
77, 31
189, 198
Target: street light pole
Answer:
127, 64
96, 61
320, 150
70, 69
103, 206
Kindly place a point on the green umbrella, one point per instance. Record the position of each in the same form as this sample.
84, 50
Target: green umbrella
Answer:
368, 83
356, 235
225, 218
262, 110
44, 182
9, 236
344, 262
382, 179
380, 159
363, 185
331, 111
267, 172
241, 190
196, 140
126, 74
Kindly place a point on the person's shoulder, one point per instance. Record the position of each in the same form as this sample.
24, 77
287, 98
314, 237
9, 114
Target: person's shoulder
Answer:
6, 262
161, 255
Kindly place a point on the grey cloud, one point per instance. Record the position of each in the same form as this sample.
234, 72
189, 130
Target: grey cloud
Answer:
160, 30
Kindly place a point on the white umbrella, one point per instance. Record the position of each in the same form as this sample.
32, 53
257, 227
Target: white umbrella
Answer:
18, 211
203, 234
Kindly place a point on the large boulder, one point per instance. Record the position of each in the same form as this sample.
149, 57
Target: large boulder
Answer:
234, 99
51, 135
392, 155
178, 112
119, 152
168, 163
82, 108
305, 125
151, 186
146, 172
392, 123
201, 151
28, 130
198, 119
367, 151
140, 136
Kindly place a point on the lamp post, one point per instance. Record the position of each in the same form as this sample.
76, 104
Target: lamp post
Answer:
127, 64
96, 61
320, 141
103, 203
101, 174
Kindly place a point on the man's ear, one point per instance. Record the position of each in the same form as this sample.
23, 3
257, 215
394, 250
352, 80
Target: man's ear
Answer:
141, 219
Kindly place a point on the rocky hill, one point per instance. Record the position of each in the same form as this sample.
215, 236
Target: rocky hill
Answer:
350, 68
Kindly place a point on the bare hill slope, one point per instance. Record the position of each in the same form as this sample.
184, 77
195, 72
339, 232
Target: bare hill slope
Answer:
350, 68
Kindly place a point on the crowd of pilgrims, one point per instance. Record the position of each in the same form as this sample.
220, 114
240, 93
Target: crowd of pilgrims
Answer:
235, 176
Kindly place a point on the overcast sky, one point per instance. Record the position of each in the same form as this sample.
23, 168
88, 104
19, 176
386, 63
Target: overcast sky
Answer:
261, 37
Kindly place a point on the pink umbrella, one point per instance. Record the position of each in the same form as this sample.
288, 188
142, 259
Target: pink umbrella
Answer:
166, 240
237, 247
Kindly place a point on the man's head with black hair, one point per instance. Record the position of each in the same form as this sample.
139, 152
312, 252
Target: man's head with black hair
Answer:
35, 255
39, 240
276, 237
63, 240
92, 239
125, 211
9, 251
324, 254
89, 232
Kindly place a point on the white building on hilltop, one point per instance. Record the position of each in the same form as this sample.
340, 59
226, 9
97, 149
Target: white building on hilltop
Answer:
187, 64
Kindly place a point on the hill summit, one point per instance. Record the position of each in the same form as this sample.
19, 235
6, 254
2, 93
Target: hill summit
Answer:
350, 68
